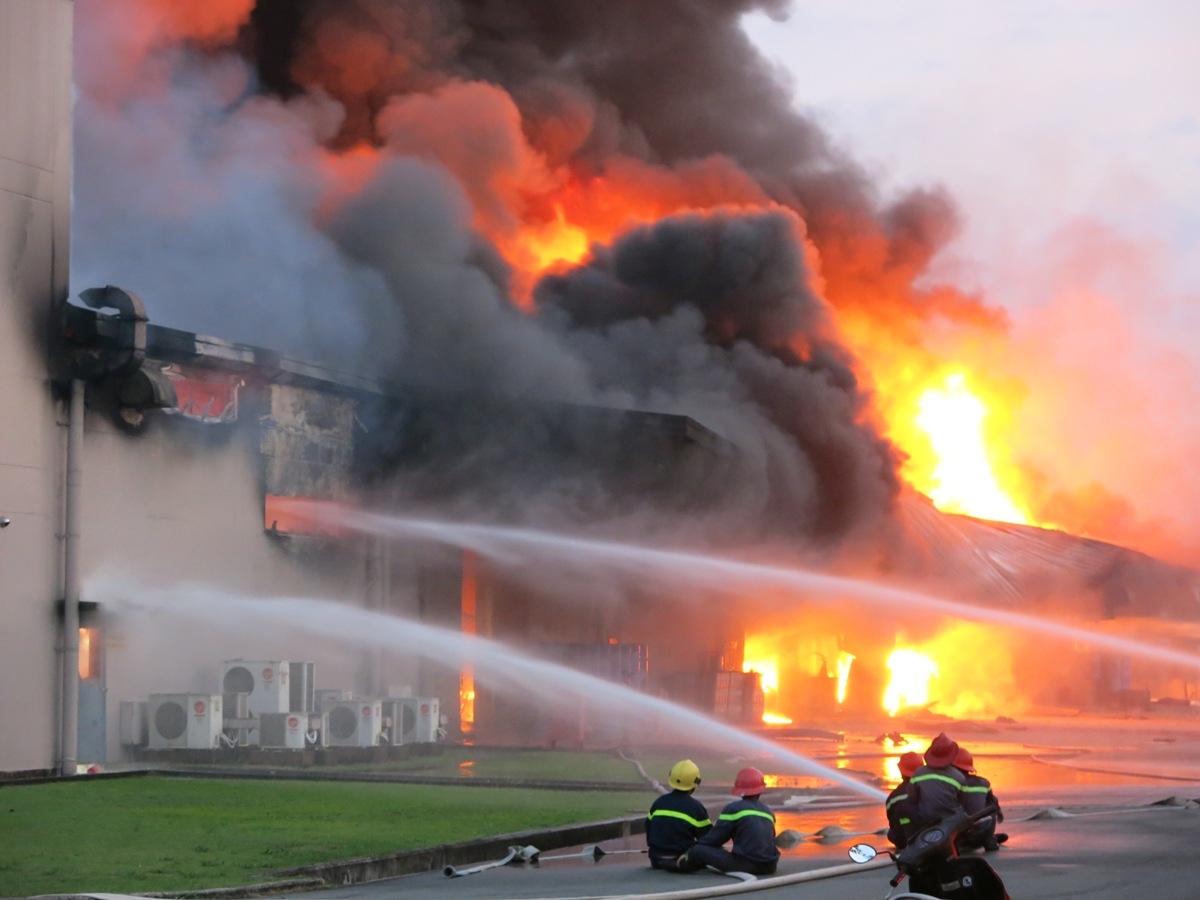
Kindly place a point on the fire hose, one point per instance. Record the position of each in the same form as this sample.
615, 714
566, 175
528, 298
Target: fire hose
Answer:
532, 855
740, 887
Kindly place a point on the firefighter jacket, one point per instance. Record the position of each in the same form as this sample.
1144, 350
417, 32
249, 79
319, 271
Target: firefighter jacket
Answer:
675, 821
977, 796
751, 827
901, 807
939, 793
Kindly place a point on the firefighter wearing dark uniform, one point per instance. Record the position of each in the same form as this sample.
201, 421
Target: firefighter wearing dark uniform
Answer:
677, 818
748, 823
939, 783
901, 803
977, 796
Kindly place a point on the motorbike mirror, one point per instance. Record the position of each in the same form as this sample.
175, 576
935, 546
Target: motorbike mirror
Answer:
862, 853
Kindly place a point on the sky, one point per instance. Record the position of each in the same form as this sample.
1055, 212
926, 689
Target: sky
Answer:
1068, 133
1039, 116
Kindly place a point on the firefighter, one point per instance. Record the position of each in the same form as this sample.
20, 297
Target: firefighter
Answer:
901, 803
976, 797
939, 783
748, 823
676, 818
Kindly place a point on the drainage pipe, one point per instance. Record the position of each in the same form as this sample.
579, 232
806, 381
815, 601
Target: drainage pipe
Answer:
69, 727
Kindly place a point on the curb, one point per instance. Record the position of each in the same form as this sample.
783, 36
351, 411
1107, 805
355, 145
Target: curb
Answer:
429, 859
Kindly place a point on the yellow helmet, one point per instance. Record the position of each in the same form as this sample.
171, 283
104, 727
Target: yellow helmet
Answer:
685, 775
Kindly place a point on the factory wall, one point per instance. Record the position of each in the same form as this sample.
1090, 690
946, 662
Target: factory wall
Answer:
35, 184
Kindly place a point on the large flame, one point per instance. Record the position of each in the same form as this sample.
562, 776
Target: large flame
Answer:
909, 686
962, 478
767, 669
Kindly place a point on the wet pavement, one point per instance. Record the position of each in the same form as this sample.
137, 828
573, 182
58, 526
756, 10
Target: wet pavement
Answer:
1099, 807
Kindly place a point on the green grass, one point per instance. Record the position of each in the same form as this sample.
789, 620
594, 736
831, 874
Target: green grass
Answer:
156, 833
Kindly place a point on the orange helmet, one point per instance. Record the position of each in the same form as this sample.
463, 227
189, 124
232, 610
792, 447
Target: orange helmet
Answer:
964, 760
909, 763
749, 782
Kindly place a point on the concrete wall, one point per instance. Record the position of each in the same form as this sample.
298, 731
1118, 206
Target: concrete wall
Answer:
35, 181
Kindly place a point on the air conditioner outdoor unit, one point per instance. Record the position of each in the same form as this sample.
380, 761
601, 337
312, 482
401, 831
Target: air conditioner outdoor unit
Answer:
266, 682
283, 731
354, 723
184, 721
323, 698
415, 720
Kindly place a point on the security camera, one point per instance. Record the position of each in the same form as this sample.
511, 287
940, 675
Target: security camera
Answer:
5, 521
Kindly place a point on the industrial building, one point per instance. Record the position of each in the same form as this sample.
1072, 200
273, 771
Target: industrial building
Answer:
138, 454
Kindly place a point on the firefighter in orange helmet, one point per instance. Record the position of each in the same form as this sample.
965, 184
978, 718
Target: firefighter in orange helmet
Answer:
901, 803
977, 796
748, 823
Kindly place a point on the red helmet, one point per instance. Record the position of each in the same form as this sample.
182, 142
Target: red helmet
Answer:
909, 763
942, 752
749, 782
964, 760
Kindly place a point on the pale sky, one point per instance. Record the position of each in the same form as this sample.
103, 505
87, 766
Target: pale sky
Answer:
1033, 114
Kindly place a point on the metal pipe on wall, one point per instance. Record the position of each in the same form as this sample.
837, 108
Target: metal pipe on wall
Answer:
69, 728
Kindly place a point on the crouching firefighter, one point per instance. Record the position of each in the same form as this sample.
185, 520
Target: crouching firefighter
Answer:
901, 803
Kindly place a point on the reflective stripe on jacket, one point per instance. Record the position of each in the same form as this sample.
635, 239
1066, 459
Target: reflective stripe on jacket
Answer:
675, 821
751, 827
977, 796
940, 793
901, 808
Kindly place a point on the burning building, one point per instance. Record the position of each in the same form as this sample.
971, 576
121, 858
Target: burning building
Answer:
502, 282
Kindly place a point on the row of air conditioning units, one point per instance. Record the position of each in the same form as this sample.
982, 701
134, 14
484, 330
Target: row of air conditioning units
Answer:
274, 704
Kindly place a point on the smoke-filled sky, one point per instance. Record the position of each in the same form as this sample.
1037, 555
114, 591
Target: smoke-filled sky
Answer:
412, 186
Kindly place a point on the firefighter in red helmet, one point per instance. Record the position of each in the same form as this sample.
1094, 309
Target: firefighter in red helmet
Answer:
939, 783
748, 823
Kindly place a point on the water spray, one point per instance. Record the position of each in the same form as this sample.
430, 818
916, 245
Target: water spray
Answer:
551, 683
502, 543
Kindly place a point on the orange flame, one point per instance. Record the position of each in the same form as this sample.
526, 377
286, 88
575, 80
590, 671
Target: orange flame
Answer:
962, 479
909, 685
767, 668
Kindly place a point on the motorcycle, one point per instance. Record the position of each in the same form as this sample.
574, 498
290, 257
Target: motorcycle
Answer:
934, 869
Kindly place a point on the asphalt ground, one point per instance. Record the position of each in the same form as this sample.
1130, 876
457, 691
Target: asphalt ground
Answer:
1096, 808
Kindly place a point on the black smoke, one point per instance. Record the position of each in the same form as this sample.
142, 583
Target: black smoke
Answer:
199, 191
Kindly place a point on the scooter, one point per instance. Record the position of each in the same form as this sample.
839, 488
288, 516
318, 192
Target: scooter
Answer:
933, 867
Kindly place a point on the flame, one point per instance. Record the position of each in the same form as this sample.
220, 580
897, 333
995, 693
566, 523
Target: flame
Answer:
767, 668
909, 686
470, 622
555, 242
962, 479
844, 661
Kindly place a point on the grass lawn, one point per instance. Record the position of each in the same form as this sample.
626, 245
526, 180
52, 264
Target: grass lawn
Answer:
157, 833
